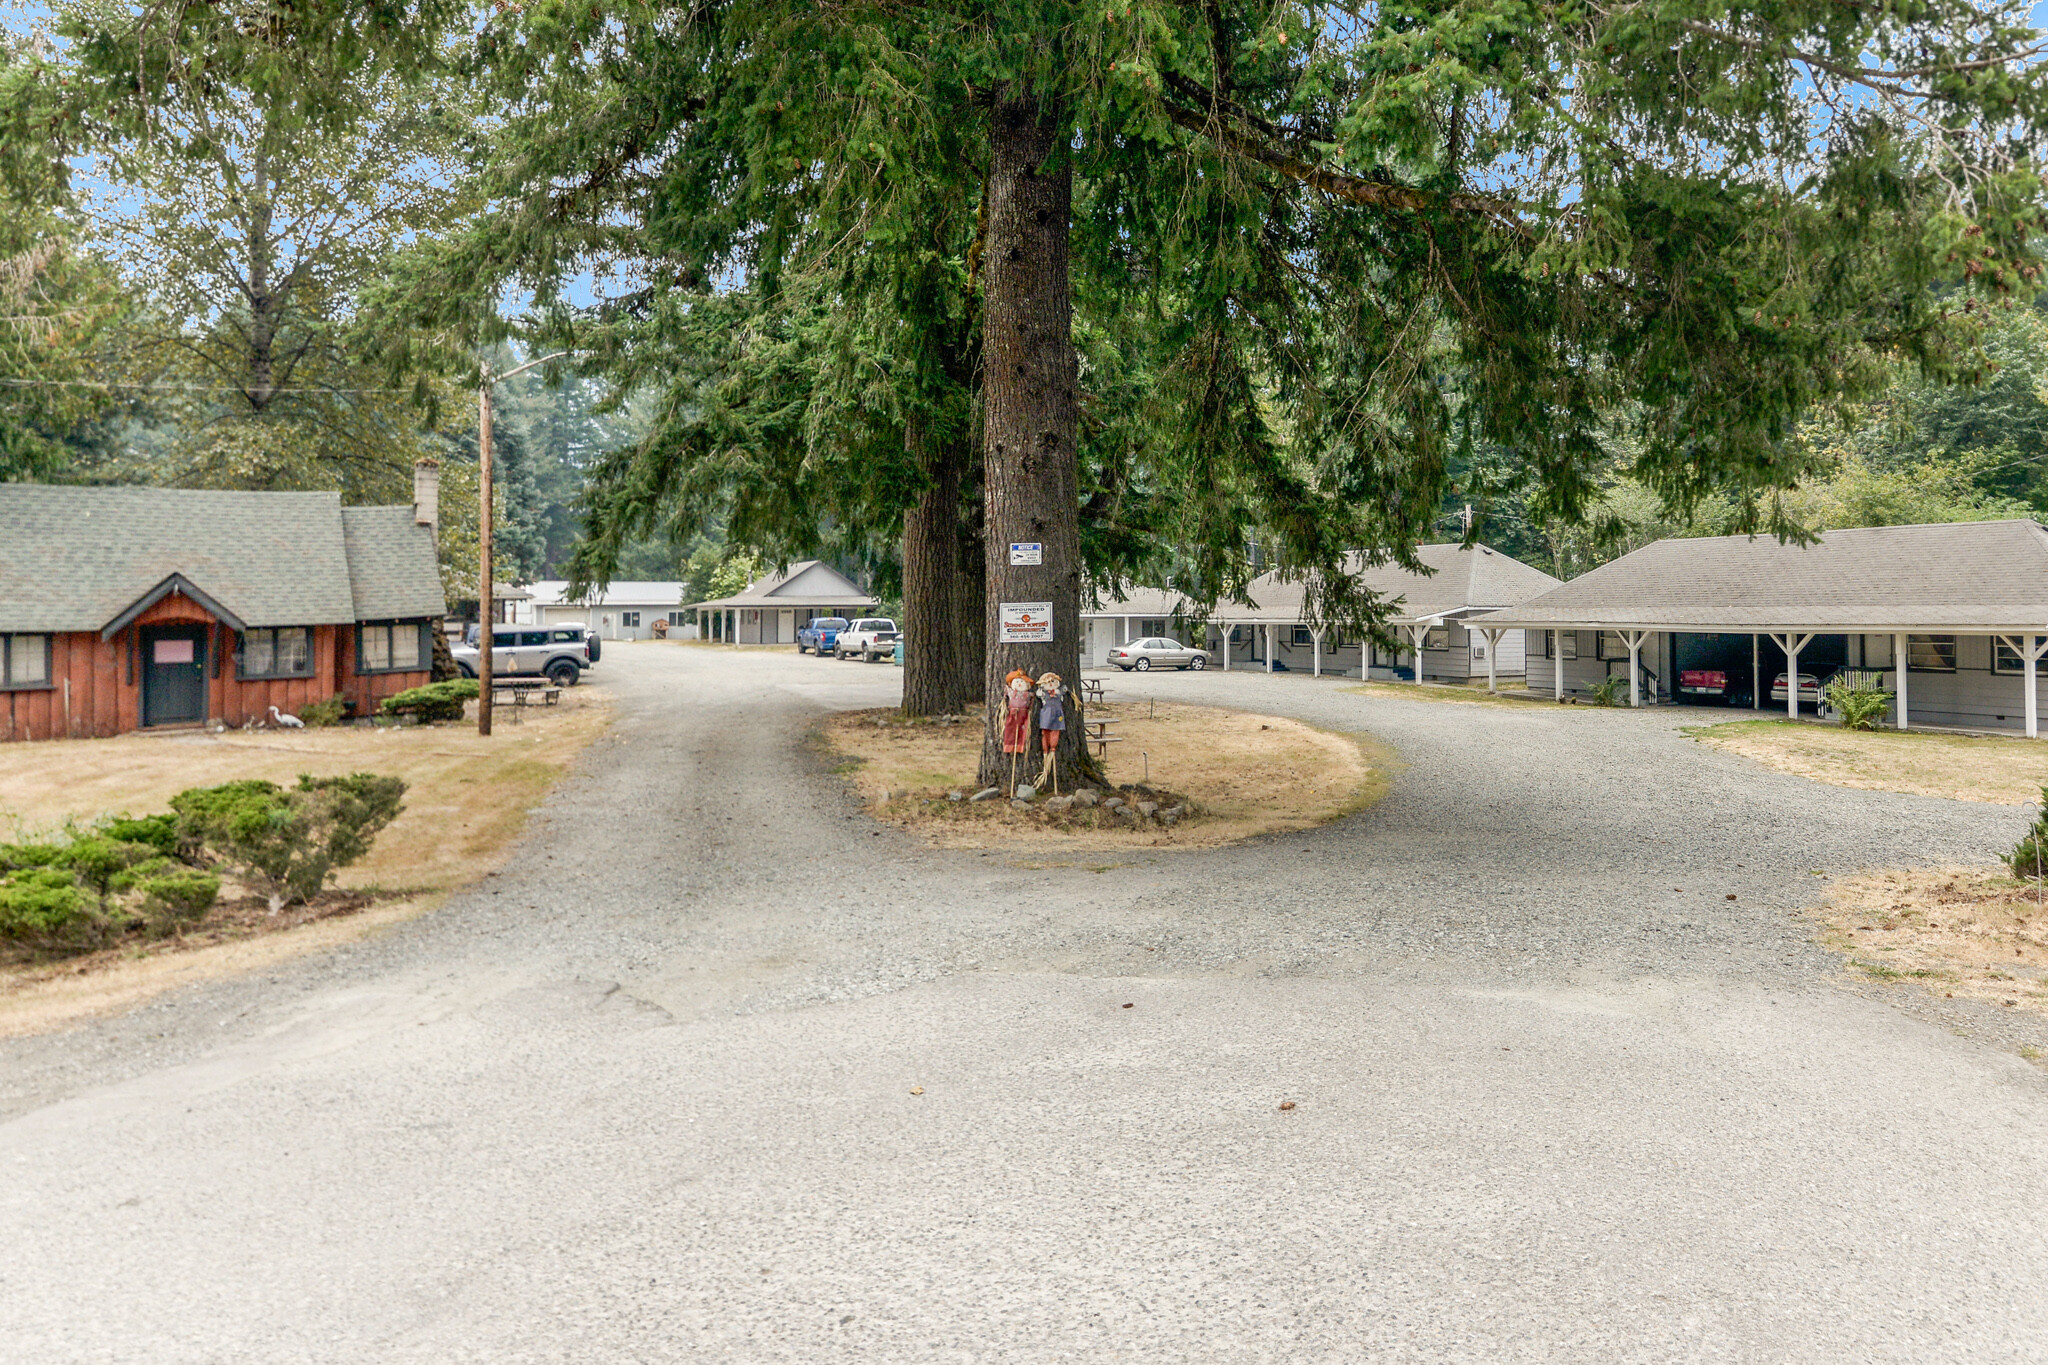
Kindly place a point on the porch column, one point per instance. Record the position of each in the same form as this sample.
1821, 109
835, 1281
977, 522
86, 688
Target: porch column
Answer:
1269, 648
1316, 636
2030, 648
1786, 643
1492, 638
1557, 661
1224, 627
1416, 635
1634, 640
1756, 677
1899, 667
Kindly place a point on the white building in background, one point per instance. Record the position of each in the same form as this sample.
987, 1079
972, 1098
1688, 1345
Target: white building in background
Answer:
625, 610
1272, 630
771, 609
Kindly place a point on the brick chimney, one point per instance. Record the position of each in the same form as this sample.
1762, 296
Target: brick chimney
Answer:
426, 493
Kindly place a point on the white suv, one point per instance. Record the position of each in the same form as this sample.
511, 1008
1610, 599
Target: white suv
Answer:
871, 637
557, 653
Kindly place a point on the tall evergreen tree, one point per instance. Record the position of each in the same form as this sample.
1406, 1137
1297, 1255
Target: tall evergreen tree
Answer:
1350, 241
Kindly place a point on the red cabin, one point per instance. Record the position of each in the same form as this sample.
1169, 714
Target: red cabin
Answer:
127, 608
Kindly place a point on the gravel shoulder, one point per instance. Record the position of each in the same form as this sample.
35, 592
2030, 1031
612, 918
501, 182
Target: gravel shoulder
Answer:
648, 1094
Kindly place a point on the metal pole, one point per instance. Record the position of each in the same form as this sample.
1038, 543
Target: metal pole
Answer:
486, 635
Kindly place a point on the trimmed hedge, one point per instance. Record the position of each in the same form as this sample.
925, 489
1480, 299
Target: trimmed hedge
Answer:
435, 701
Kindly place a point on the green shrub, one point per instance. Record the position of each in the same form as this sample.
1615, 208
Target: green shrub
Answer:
1860, 708
2029, 858
324, 713
99, 863
160, 832
290, 843
38, 902
435, 701
1608, 691
16, 856
177, 892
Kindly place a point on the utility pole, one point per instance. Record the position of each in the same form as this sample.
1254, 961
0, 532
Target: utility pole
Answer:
486, 597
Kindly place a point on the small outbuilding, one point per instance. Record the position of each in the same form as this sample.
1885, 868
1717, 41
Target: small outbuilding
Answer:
773, 608
129, 608
1952, 618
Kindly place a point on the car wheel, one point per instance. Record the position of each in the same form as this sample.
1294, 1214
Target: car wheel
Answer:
562, 673
1199, 662
839, 654
1143, 665
466, 670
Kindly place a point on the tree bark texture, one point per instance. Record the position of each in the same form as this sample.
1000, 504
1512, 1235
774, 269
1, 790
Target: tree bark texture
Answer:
942, 598
1030, 469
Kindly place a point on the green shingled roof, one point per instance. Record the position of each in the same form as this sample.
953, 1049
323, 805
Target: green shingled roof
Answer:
76, 558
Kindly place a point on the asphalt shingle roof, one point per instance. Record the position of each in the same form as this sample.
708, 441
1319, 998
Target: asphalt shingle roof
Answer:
1466, 578
1964, 576
394, 571
75, 558
831, 589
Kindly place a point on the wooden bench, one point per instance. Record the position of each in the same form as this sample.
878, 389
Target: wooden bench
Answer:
1099, 735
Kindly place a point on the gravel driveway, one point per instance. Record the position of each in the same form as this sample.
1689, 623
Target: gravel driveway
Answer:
649, 1094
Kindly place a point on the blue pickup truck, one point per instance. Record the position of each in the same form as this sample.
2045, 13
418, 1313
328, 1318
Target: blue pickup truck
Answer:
820, 635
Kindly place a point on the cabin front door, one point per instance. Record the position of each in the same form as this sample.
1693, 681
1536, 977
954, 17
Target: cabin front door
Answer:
173, 674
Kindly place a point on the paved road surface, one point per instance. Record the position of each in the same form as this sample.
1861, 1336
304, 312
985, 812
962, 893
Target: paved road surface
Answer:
647, 1095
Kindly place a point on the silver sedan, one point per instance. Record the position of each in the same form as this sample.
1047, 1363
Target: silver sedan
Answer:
1157, 652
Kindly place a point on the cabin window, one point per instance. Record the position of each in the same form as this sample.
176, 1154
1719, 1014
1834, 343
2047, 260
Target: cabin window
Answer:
398, 646
1152, 627
675, 618
1302, 636
1931, 653
26, 661
2006, 659
1437, 637
284, 652
1612, 646
631, 619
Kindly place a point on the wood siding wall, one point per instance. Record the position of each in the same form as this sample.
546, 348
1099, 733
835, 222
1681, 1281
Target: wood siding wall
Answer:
96, 685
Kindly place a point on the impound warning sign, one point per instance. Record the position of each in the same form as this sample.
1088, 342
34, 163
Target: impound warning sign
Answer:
1026, 623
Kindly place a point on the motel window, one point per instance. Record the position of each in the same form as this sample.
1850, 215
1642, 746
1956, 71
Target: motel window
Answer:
1931, 653
1437, 637
675, 618
283, 652
402, 646
24, 661
1568, 641
1152, 627
1302, 636
1612, 646
2006, 659
631, 619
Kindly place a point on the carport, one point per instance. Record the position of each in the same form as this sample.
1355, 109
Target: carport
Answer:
1953, 619
771, 609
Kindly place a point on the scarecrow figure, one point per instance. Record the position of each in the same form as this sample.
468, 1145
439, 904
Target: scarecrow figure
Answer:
1016, 719
1052, 723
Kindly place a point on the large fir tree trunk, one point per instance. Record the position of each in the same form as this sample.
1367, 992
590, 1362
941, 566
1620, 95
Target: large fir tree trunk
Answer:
941, 622
1031, 475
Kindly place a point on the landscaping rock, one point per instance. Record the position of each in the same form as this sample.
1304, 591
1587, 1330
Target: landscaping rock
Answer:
956, 796
1148, 808
986, 794
1086, 796
1129, 813
1113, 803
1025, 791
1060, 803
1018, 803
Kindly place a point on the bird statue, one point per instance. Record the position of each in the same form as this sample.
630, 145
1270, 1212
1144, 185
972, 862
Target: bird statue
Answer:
288, 722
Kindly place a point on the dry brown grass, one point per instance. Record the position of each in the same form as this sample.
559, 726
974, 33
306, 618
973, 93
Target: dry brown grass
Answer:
1245, 775
1992, 769
1961, 932
1475, 694
466, 801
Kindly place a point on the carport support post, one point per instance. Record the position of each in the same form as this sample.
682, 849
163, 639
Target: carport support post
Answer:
1634, 640
1269, 648
1785, 642
1557, 660
1756, 675
1899, 667
2032, 654
1492, 638
1416, 634
1223, 627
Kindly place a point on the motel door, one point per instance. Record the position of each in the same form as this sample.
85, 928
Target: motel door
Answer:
173, 674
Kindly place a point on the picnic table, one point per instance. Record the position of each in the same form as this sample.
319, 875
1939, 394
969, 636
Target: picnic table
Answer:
1091, 689
524, 692
1099, 735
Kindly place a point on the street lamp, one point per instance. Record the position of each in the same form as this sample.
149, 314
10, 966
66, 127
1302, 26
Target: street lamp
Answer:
487, 598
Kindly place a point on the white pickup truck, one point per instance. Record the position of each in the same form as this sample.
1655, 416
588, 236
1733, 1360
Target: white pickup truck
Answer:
871, 637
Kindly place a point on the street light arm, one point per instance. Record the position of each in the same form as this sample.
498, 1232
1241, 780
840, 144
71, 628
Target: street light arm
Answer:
490, 378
